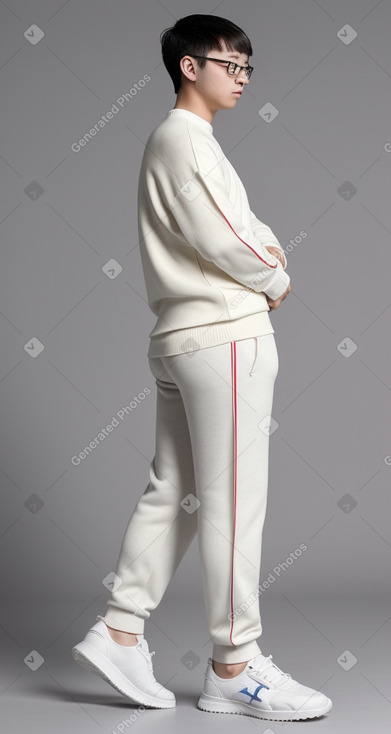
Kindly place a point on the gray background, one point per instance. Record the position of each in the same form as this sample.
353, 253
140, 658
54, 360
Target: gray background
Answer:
320, 167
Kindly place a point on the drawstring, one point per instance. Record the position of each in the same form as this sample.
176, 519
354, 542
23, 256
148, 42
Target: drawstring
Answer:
256, 354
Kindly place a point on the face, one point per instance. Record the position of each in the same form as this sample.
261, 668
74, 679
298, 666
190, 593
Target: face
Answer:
214, 85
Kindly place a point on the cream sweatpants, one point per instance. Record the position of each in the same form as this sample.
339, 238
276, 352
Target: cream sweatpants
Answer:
209, 474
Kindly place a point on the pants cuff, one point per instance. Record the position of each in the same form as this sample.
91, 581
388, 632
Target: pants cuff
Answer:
235, 654
124, 621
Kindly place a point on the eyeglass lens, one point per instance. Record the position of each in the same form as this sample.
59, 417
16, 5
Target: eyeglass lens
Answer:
233, 70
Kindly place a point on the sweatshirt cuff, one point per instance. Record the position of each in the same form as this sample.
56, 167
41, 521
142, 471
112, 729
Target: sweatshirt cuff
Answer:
279, 285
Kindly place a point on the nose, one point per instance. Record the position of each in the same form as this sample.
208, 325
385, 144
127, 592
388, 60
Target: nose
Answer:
244, 78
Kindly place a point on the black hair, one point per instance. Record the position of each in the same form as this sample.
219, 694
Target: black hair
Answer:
199, 34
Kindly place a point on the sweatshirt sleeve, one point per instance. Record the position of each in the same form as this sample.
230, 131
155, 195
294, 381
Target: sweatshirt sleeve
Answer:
208, 221
265, 235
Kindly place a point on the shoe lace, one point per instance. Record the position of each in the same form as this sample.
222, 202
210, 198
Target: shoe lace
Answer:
264, 665
147, 655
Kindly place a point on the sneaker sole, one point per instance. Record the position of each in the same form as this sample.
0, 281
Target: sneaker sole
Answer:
217, 706
95, 662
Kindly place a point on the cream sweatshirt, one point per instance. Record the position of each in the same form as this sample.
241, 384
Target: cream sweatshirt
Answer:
202, 249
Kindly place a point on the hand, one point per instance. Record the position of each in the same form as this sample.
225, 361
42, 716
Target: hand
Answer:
275, 304
276, 252
280, 256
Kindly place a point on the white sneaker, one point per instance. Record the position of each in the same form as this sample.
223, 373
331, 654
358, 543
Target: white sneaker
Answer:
261, 690
127, 669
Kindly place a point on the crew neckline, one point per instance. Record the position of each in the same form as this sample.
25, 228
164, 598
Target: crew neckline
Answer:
181, 112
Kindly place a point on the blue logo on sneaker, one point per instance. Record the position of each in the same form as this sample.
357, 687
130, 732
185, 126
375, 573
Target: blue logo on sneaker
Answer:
253, 696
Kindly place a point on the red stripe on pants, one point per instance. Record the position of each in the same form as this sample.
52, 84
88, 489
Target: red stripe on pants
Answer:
235, 474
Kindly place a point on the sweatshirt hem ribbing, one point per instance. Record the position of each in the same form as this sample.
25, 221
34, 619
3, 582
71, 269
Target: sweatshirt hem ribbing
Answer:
182, 341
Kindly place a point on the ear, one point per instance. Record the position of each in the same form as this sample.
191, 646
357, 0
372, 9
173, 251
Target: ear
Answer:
188, 68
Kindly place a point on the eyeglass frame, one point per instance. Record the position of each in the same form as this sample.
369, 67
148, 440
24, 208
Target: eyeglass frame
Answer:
224, 61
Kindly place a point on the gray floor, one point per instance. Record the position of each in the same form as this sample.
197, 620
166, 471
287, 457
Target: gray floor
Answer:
307, 638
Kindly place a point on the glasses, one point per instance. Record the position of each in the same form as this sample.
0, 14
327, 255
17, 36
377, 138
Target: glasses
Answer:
232, 68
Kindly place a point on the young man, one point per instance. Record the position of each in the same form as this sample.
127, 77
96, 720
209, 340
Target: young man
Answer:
212, 272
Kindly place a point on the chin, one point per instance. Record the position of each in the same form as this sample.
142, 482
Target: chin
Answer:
229, 103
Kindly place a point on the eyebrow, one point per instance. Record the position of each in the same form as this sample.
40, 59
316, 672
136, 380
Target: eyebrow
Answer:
236, 56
